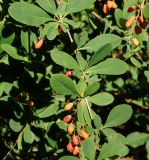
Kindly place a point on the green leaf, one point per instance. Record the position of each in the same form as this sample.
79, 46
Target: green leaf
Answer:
100, 54
64, 59
29, 14
62, 84
86, 114
28, 135
136, 139
52, 30
25, 40
113, 148
80, 112
81, 87
101, 40
119, 17
47, 111
92, 88
118, 115
62, 125
73, 23
9, 39
147, 149
15, 126
110, 66
81, 39
135, 62
97, 121
146, 11
12, 52
5, 87
81, 61
102, 99
47, 5
19, 141
77, 5
69, 158
89, 149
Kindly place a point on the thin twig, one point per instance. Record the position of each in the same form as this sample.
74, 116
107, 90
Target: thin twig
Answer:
88, 107
97, 16
101, 19
70, 37
10, 150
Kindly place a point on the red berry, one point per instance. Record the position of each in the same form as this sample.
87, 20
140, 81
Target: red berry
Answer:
75, 140
30, 103
140, 19
70, 146
68, 73
76, 151
67, 118
39, 43
144, 24
60, 29
131, 8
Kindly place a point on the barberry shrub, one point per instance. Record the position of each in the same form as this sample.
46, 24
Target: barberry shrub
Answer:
74, 79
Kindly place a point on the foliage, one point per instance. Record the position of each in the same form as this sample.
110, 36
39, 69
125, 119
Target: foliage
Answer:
74, 79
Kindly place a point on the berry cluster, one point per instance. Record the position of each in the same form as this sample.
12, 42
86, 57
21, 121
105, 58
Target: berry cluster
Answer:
140, 21
76, 139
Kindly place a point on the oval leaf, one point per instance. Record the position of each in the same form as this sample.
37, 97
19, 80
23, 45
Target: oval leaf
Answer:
102, 99
89, 149
12, 52
62, 84
47, 5
47, 111
110, 66
69, 158
118, 115
64, 59
136, 139
28, 135
100, 54
101, 40
27, 13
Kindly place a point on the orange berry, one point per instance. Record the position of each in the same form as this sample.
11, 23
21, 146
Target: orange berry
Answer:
130, 21
76, 151
68, 106
70, 146
105, 9
140, 19
135, 41
39, 43
131, 8
84, 134
111, 4
70, 128
67, 118
138, 30
68, 73
30, 103
75, 140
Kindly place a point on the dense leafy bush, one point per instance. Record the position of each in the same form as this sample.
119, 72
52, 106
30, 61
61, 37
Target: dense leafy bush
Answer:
72, 73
